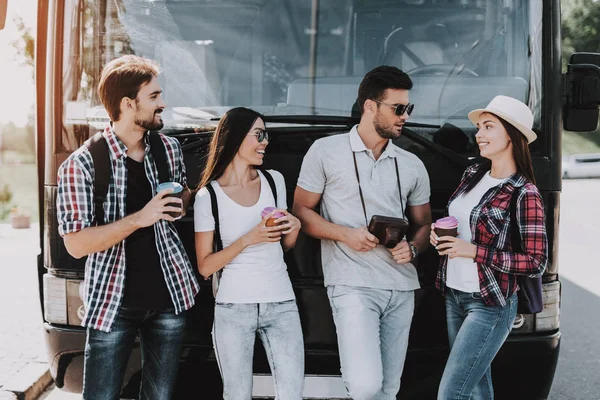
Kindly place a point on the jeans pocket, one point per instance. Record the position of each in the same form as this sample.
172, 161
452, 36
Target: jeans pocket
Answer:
224, 305
285, 306
291, 301
339, 291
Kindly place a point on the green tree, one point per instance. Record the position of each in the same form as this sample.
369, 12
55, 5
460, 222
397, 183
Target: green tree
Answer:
580, 27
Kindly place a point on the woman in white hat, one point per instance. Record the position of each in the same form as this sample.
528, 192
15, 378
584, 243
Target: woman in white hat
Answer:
479, 268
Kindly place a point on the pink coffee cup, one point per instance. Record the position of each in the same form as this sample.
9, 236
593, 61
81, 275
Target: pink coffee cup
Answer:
447, 226
271, 221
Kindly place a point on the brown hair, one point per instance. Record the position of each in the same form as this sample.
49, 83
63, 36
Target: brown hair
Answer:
226, 141
123, 77
520, 153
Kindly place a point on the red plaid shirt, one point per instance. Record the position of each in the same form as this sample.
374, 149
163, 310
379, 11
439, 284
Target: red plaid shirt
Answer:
497, 265
105, 271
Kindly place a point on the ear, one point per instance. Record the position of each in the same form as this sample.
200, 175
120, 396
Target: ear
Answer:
369, 106
127, 104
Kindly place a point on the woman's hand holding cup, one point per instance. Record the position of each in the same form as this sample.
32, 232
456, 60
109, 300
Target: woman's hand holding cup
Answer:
263, 233
286, 222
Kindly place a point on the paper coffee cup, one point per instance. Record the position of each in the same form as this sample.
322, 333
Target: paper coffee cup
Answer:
177, 192
271, 221
447, 226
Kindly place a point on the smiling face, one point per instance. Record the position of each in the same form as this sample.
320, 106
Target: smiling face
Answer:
492, 139
387, 124
251, 150
149, 105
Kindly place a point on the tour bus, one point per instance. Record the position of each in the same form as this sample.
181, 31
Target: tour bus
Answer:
299, 62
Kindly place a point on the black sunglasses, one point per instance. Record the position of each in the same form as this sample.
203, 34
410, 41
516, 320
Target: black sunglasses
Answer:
261, 135
399, 109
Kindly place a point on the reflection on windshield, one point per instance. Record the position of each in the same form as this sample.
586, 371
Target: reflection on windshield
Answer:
257, 53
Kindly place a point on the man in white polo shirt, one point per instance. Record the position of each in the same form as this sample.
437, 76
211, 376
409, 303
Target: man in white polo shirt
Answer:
370, 288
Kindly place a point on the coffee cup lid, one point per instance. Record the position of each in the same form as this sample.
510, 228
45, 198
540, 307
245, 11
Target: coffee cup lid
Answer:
170, 185
268, 210
446, 223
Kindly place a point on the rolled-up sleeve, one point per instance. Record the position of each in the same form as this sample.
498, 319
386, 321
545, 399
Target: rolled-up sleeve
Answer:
74, 201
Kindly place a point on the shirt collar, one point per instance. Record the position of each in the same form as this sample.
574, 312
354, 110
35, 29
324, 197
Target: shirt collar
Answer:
357, 145
116, 146
515, 180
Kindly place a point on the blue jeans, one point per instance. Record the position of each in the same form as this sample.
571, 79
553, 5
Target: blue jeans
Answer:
107, 354
476, 332
372, 327
234, 333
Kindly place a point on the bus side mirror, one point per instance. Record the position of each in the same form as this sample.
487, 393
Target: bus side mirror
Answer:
3, 7
582, 93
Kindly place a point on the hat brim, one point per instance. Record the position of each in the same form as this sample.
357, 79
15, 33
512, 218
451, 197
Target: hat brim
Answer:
528, 133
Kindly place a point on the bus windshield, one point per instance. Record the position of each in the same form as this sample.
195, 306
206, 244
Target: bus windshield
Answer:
281, 57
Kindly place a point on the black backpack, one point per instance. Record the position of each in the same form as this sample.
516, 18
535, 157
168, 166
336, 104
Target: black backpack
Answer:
530, 294
102, 166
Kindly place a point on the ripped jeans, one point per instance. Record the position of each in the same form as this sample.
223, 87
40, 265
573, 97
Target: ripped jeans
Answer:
278, 325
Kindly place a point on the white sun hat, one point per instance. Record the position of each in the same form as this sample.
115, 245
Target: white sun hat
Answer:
511, 110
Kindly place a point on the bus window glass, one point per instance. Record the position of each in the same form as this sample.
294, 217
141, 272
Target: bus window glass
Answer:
257, 53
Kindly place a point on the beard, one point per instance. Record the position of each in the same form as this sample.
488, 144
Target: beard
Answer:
151, 124
384, 130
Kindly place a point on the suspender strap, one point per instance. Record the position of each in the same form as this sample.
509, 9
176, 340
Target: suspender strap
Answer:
362, 199
100, 156
215, 211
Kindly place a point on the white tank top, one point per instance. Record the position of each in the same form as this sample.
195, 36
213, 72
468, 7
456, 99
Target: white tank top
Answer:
461, 272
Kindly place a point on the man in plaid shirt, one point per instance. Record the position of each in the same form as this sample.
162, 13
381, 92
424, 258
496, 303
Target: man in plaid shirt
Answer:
138, 278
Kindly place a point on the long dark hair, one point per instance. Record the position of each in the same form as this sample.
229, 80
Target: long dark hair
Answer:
226, 141
520, 153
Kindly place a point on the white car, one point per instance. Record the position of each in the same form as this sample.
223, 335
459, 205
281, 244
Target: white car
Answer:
581, 166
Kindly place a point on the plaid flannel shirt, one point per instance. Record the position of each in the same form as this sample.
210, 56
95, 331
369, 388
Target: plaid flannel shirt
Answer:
105, 270
497, 265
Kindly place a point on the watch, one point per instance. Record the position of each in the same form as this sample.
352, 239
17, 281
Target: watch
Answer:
413, 250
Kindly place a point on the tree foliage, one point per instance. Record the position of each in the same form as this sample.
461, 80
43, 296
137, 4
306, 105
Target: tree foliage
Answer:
24, 44
580, 27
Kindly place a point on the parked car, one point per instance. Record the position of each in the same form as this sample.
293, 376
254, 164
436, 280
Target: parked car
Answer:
581, 166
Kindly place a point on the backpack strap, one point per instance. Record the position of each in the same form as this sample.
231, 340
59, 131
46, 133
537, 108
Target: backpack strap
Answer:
98, 148
215, 212
515, 234
159, 153
271, 181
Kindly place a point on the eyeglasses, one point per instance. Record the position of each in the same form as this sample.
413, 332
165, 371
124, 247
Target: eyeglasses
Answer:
261, 135
399, 109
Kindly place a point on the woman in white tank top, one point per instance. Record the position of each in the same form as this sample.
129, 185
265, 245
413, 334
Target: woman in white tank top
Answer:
255, 295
